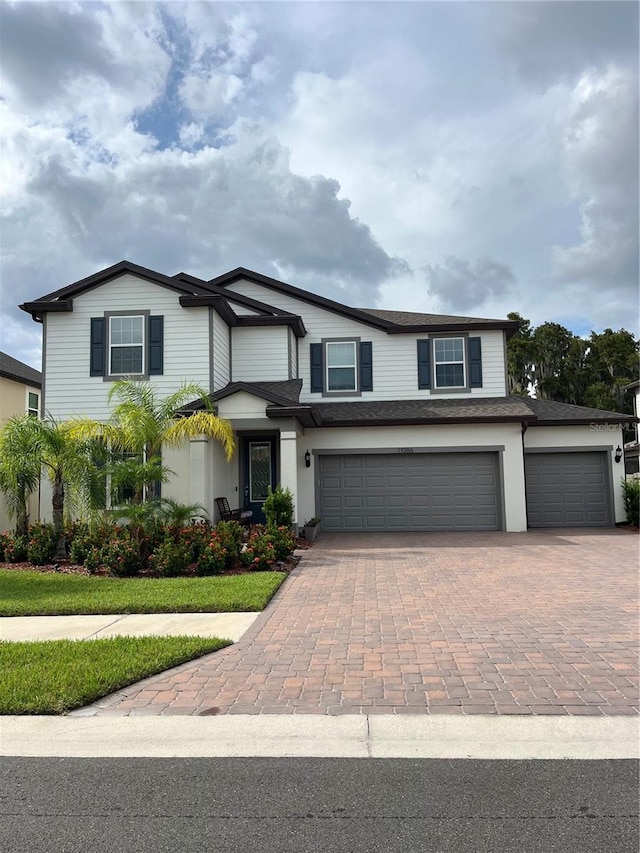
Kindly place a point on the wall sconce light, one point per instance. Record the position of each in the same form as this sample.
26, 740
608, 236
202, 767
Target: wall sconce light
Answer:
618, 455
307, 459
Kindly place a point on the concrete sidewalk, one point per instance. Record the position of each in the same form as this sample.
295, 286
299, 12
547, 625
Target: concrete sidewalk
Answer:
225, 625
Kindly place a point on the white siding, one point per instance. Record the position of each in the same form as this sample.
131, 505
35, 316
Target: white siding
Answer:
293, 355
221, 353
69, 388
259, 353
395, 366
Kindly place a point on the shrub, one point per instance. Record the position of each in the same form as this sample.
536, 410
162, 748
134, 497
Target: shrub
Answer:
5, 538
278, 507
631, 497
88, 537
259, 553
15, 550
213, 558
284, 542
194, 537
171, 559
42, 544
121, 557
93, 560
231, 535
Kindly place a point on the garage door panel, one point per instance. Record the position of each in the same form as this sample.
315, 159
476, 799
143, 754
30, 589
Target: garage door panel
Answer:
439, 491
568, 489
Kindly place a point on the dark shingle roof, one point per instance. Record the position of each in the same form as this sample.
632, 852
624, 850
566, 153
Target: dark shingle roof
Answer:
550, 410
414, 318
288, 389
422, 411
11, 368
468, 410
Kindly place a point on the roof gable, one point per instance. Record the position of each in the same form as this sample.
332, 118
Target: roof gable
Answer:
62, 299
11, 368
392, 322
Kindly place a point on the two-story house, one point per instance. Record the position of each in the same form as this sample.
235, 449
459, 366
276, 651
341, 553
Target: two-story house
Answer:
376, 420
20, 389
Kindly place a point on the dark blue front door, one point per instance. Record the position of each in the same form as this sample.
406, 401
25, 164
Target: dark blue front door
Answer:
259, 472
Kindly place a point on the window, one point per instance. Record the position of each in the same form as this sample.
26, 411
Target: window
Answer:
126, 345
341, 366
33, 404
446, 364
449, 362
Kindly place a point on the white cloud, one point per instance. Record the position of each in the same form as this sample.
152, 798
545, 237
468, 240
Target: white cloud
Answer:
601, 151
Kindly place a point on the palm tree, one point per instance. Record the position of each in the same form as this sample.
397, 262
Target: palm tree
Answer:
29, 446
142, 423
71, 464
19, 468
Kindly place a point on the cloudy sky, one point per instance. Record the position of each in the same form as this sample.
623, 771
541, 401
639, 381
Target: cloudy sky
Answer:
457, 157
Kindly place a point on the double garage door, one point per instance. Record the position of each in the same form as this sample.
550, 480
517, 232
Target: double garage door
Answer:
416, 491
568, 489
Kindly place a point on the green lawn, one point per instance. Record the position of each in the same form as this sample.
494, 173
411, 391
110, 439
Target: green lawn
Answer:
48, 594
58, 675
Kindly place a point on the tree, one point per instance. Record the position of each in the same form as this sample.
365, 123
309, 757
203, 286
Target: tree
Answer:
142, 423
71, 464
561, 366
30, 446
19, 468
520, 357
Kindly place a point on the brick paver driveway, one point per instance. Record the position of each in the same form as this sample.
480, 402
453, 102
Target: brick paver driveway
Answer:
536, 623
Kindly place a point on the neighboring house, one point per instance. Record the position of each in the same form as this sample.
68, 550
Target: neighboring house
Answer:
20, 390
631, 448
376, 420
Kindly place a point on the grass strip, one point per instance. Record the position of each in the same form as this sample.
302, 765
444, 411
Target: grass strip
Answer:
55, 676
49, 594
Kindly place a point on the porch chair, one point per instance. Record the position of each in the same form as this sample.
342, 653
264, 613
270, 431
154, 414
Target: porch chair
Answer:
227, 514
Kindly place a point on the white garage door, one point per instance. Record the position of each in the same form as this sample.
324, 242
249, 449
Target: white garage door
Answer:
568, 489
421, 491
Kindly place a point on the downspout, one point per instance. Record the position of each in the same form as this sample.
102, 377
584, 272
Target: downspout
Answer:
524, 428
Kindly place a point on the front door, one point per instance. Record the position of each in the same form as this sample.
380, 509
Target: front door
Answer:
258, 472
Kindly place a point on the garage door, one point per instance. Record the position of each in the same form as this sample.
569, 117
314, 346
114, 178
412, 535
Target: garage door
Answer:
568, 489
421, 491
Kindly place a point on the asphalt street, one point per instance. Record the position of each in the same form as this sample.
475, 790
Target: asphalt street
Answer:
291, 805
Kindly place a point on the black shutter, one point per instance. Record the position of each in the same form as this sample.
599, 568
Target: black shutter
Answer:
97, 347
317, 367
156, 345
424, 364
475, 363
366, 366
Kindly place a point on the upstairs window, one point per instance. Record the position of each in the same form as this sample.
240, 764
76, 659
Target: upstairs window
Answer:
449, 362
126, 345
341, 366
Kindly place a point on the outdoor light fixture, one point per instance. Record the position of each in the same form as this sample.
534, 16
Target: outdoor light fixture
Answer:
307, 459
618, 455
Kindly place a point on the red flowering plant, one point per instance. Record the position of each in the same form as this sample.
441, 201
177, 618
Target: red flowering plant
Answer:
42, 542
259, 553
213, 558
121, 556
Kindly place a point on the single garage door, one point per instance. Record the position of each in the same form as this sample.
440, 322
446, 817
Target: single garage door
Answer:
568, 489
418, 491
